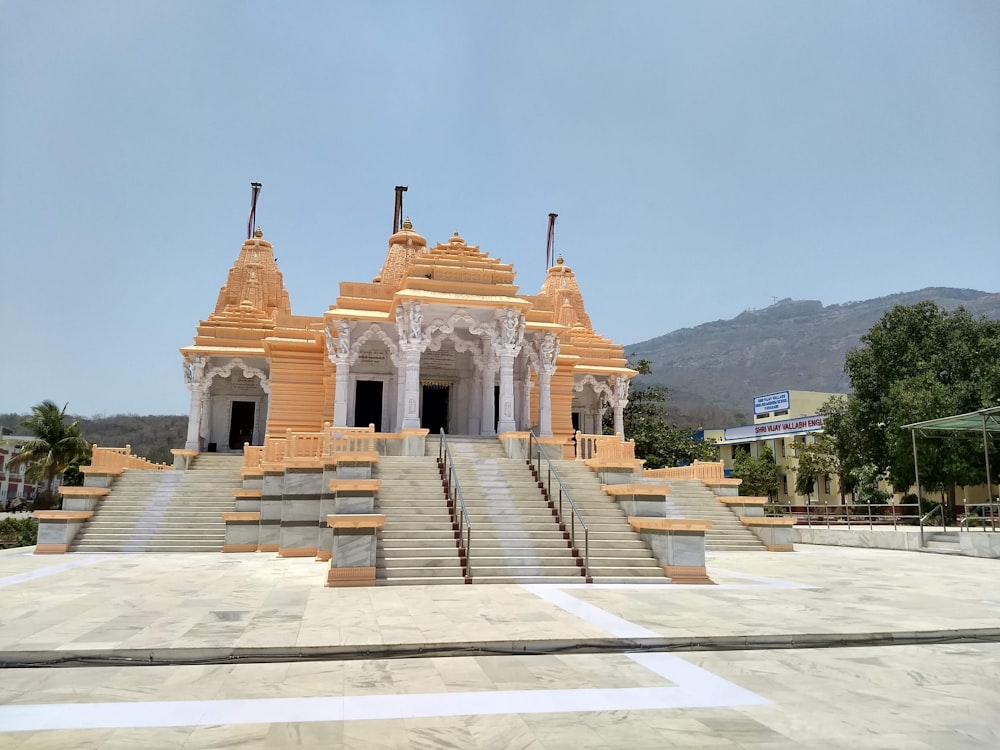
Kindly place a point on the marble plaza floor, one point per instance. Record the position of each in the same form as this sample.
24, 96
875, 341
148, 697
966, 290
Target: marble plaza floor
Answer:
799, 650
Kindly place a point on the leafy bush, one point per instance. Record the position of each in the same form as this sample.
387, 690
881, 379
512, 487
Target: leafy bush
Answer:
22, 531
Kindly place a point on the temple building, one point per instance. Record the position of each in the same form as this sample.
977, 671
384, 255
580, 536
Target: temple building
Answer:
441, 338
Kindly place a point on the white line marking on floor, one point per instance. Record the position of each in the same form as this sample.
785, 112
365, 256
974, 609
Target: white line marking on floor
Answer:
31, 575
693, 688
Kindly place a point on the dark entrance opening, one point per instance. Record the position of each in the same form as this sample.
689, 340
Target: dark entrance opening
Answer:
496, 407
241, 424
434, 412
368, 404
576, 421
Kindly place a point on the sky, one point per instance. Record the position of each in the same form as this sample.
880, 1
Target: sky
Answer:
704, 158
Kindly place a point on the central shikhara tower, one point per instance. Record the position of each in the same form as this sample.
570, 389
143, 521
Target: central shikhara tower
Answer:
440, 339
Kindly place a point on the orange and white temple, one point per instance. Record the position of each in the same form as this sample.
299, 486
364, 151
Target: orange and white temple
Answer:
441, 338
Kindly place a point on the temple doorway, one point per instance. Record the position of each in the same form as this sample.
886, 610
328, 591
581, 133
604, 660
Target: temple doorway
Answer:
434, 411
368, 404
241, 424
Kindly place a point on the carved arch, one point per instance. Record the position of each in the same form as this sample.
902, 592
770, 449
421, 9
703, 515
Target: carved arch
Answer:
250, 372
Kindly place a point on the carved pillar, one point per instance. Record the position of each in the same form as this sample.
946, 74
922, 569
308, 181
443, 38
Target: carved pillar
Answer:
412, 342
619, 400
488, 416
193, 442
475, 403
525, 402
411, 387
339, 352
548, 352
340, 394
507, 345
506, 422
197, 382
400, 363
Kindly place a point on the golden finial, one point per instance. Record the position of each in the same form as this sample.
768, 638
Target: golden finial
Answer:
407, 224
257, 233
560, 260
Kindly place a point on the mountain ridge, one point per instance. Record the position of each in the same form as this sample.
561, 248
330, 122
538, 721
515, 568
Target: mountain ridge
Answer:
714, 370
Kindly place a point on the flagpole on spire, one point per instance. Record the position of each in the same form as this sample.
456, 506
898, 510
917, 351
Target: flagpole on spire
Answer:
397, 216
550, 243
254, 192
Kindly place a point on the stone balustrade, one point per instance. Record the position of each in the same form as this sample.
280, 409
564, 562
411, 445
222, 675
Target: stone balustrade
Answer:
116, 460
703, 470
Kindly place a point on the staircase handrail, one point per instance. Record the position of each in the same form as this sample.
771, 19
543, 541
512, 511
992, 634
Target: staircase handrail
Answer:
563, 492
459, 513
923, 520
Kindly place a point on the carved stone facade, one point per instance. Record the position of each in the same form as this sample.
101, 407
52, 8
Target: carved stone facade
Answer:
441, 339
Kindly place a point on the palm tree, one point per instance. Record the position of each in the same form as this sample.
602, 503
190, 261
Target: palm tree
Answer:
57, 445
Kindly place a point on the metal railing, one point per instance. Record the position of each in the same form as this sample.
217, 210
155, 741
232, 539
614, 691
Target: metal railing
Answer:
939, 508
881, 516
984, 515
456, 505
536, 453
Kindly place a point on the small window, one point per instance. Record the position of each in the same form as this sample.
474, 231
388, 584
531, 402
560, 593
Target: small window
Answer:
826, 484
784, 482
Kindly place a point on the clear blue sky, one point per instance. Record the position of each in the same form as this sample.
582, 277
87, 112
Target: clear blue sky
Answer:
703, 157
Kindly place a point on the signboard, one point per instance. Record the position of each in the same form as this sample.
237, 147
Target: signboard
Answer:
766, 430
771, 402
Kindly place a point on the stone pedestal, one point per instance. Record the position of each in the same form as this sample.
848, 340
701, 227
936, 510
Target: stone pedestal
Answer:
353, 549
272, 488
679, 546
724, 487
348, 497
646, 500
242, 532
57, 529
775, 532
300, 512
750, 507
183, 458
82, 498
414, 441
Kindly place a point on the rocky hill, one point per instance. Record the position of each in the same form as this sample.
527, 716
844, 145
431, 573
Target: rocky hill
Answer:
714, 370
151, 436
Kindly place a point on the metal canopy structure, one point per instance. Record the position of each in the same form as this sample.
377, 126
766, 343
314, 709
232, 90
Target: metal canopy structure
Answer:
985, 422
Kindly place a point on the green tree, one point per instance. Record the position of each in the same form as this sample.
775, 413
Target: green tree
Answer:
759, 473
867, 485
657, 440
921, 362
832, 451
57, 445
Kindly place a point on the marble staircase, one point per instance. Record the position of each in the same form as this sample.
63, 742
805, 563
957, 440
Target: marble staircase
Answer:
166, 511
516, 536
692, 499
417, 543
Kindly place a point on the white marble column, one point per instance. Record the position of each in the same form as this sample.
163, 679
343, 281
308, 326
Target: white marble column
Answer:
197, 382
193, 442
506, 421
525, 402
397, 419
411, 387
506, 346
340, 394
413, 341
488, 416
619, 400
544, 404
339, 352
548, 353
475, 404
